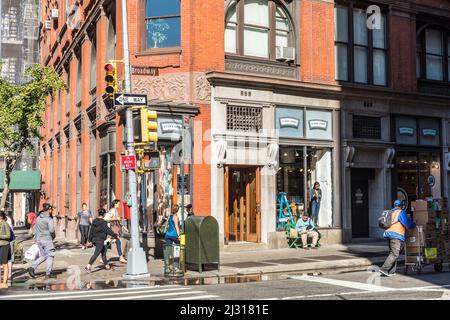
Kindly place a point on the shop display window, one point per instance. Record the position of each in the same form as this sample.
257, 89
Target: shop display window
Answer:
419, 175
300, 167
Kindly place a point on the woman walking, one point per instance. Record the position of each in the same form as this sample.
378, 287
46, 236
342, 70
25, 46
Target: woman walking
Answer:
84, 222
99, 232
316, 198
5, 249
113, 218
173, 230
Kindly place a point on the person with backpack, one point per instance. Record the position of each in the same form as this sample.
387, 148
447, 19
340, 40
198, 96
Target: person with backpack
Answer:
5, 249
45, 233
31, 219
98, 235
395, 222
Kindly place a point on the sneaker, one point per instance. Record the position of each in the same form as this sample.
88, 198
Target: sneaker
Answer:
392, 274
83, 248
384, 273
31, 272
50, 276
87, 270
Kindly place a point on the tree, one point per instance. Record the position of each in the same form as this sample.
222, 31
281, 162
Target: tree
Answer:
21, 107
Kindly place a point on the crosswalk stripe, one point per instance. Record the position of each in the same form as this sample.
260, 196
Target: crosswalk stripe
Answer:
196, 297
87, 292
154, 295
130, 294
343, 283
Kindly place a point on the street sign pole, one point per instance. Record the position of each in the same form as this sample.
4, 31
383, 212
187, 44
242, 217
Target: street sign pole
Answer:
137, 261
182, 172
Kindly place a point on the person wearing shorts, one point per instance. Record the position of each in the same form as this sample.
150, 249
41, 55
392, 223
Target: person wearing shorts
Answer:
5, 249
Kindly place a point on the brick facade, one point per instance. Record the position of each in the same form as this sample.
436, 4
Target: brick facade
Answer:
182, 78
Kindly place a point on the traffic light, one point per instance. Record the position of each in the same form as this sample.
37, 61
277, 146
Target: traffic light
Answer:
111, 80
149, 126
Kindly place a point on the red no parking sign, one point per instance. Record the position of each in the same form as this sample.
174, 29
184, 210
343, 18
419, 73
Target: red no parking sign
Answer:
128, 162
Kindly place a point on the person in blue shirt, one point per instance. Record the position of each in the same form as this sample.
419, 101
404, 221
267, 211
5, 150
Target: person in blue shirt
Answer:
305, 227
395, 235
173, 230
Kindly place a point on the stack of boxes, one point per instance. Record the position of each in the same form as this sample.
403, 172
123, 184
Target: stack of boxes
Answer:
444, 247
431, 217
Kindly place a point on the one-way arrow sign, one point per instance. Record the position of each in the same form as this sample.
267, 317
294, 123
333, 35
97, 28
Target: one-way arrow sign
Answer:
130, 99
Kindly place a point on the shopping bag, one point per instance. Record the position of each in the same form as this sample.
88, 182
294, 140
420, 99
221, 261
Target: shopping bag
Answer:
431, 253
32, 253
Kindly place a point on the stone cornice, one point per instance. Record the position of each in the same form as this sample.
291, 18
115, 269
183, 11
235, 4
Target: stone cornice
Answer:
328, 91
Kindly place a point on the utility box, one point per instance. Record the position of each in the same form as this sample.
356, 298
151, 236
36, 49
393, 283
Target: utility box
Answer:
202, 243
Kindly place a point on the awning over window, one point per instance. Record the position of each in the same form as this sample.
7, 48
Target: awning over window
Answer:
27, 180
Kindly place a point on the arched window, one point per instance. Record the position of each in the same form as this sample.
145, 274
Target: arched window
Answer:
256, 27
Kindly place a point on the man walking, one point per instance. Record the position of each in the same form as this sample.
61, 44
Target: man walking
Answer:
395, 235
44, 233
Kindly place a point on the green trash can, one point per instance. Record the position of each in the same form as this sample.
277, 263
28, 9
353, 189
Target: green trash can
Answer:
173, 260
202, 243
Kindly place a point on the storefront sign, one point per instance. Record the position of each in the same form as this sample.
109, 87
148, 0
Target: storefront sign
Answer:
406, 131
171, 127
289, 123
318, 124
429, 132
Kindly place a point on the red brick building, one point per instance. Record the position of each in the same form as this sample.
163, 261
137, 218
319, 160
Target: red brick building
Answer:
278, 93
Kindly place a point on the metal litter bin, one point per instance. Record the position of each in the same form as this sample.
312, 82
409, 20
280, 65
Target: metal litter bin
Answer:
173, 260
202, 242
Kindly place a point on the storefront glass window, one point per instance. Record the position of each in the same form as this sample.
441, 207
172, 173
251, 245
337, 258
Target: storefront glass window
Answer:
419, 175
297, 180
320, 200
291, 175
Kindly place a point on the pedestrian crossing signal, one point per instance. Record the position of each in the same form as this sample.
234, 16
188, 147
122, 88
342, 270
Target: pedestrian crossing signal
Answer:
111, 80
149, 125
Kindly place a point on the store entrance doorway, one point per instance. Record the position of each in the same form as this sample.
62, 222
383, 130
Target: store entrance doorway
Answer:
242, 204
360, 202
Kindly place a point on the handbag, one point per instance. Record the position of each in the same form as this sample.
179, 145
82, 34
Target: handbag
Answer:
32, 253
116, 227
162, 228
13, 236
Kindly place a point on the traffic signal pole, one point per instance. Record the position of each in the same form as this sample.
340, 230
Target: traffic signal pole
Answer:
137, 261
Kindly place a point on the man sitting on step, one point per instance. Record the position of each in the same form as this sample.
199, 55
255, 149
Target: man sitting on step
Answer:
305, 227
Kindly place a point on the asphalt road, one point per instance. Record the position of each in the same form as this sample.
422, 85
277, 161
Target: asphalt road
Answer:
363, 285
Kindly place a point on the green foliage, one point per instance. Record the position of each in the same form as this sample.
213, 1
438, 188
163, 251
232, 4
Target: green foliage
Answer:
21, 108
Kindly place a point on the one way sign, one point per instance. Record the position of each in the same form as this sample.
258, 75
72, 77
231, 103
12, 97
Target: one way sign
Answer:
130, 99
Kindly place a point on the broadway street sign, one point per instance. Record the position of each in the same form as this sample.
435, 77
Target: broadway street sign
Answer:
130, 99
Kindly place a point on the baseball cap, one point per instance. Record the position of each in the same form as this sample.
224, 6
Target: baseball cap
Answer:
397, 203
188, 206
47, 206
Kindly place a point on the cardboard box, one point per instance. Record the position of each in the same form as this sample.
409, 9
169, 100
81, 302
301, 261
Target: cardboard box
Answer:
419, 206
422, 217
415, 237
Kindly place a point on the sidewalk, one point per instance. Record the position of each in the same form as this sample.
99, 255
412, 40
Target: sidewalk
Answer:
69, 255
